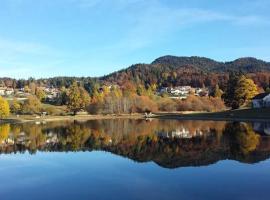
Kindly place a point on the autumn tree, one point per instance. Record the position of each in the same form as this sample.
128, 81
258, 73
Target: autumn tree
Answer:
40, 94
217, 92
62, 98
245, 90
31, 106
26, 89
4, 108
15, 106
78, 98
32, 87
129, 89
239, 91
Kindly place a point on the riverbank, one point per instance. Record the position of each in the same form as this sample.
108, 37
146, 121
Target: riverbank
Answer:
33, 118
260, 114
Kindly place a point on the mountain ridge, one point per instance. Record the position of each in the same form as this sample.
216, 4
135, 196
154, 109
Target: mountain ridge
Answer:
168, 71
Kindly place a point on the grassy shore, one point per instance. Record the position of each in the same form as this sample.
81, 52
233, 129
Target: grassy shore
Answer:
33, 118
260, 114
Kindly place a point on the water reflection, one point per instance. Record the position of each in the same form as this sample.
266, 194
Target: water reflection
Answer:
262, 127
168, 143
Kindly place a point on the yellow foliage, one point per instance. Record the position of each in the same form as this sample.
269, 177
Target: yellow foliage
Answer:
246, 89
4, 108
4, 131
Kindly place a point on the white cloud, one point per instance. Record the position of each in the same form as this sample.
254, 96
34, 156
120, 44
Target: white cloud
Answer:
145, 23
19, 47
154, 22
21, 59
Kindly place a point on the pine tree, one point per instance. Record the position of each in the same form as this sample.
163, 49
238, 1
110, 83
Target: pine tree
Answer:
229, 95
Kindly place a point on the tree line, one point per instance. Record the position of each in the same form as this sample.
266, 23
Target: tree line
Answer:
130, 97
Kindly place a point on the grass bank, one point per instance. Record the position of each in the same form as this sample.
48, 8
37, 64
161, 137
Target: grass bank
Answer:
260, 114
33, 118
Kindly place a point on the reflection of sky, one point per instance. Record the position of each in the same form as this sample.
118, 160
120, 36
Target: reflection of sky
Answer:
101, 175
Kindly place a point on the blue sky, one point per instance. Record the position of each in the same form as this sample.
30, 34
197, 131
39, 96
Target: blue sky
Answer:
46, 38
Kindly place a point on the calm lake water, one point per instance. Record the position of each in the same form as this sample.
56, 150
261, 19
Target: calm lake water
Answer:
135, 159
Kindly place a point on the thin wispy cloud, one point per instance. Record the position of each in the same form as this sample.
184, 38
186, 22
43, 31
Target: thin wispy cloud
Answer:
97, 35
154, 22
24, 47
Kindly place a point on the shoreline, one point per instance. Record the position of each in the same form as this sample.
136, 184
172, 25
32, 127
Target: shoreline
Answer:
201, 118
244, 115
33, 118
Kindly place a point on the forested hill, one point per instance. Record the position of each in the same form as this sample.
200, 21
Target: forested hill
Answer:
167, 71
246, 65
195, 71
204, 64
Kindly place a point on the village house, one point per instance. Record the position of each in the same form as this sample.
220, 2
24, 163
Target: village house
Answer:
9, 91
182, 92
51, 93
202, 92
261, 100
5, 91
2, 91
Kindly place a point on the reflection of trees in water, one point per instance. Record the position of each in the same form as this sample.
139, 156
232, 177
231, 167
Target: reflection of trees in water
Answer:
4, 132
242, 138
138, 140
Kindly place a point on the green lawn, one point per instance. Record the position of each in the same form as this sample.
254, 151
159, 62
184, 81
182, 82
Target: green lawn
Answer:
54, 110
240, 114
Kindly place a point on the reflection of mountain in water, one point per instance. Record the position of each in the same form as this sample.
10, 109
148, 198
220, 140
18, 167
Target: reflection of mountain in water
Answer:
170, 144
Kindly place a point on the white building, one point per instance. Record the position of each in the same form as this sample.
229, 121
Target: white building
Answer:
261, 100
9, 91
6, 91
2, 91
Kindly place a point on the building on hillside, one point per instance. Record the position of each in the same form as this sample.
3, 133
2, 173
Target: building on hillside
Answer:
5, 91
182, 92
202, 92
9, 91
261, 100
2, 91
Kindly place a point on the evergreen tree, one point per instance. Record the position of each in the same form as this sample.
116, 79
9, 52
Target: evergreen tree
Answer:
229, 95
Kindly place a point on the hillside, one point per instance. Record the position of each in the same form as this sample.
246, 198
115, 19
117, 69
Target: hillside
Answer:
168, 71
204, 64
195, 71
247, 65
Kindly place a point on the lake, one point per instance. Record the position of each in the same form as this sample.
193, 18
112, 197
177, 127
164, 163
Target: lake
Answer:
135, 159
